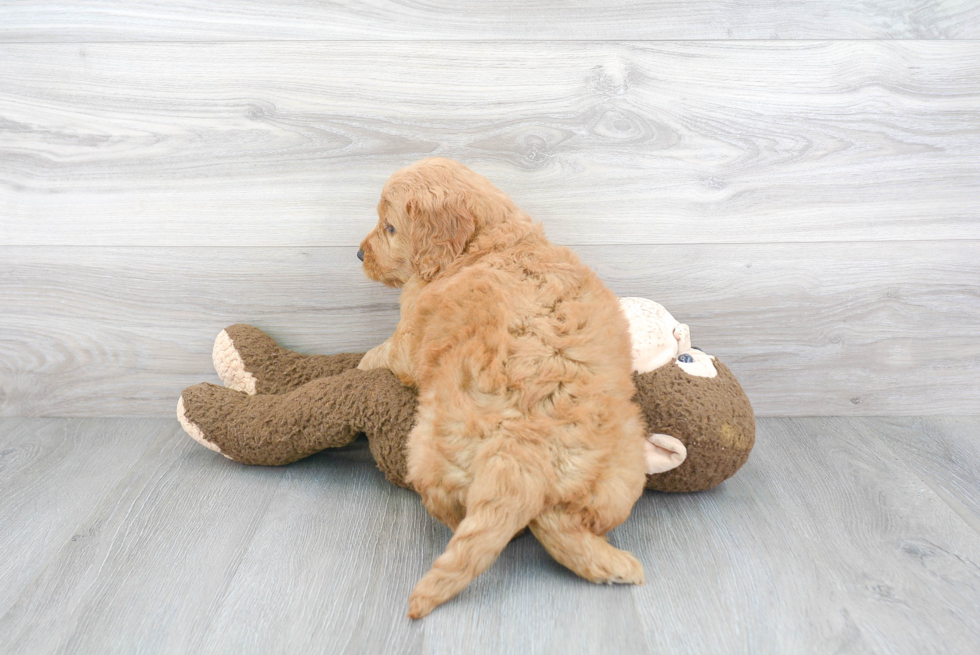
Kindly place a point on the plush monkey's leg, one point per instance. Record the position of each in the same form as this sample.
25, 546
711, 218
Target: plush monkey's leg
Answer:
325, 413
266, 429
249, 360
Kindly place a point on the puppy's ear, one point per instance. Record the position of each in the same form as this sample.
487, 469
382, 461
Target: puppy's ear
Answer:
442, 224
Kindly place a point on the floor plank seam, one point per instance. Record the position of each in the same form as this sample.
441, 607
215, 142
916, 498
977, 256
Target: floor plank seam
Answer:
221, 597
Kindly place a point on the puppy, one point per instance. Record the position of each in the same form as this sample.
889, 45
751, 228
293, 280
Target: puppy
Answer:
521, 357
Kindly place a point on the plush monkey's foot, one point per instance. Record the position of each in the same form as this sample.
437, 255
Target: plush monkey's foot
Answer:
193, 429
199, 421
273, 429
249, 360
230, 364
247, 429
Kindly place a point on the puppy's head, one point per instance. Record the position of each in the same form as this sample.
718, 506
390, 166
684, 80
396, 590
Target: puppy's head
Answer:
427, 215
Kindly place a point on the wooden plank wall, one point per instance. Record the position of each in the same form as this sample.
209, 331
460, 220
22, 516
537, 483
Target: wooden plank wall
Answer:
802, 186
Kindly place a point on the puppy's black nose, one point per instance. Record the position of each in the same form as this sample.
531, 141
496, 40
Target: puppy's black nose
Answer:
360, 255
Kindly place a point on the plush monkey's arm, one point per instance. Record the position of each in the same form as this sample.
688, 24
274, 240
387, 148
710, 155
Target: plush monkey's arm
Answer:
249, 360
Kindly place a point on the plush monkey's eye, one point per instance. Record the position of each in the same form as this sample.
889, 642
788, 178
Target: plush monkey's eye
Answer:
687, 359
390, 228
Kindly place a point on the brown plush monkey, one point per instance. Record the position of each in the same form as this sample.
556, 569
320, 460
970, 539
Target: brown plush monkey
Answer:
279, 406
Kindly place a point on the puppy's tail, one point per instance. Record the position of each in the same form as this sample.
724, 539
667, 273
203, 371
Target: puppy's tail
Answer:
503, 498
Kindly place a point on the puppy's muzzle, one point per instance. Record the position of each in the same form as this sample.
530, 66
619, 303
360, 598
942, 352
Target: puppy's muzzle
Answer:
360, 255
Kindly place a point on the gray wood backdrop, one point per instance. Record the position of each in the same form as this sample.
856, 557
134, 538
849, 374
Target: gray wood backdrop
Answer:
800, 184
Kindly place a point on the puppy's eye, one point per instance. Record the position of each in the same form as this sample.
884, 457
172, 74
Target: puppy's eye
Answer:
687, 359
390, 228
696, 348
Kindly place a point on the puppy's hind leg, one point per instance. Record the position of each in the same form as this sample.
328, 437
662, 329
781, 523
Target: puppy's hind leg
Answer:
500, 502
587, 554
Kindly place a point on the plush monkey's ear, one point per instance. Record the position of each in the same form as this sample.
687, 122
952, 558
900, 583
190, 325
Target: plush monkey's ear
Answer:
442, 224
663, 453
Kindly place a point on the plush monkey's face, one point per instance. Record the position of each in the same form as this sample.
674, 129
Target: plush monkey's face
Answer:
658, 339
697, 362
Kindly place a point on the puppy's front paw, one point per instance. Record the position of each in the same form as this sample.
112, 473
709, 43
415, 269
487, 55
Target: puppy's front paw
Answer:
374, 358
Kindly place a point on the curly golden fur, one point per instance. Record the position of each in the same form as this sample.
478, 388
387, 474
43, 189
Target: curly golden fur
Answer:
521, 357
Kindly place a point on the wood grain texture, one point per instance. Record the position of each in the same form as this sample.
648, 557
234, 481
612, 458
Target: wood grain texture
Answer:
680, 142
53, 474
151, 561
198, 20
528, 603
945, 452
828, 540
336, 556
824, 542
810, 329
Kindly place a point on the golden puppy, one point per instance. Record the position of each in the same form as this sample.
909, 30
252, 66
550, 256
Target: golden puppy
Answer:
521, 357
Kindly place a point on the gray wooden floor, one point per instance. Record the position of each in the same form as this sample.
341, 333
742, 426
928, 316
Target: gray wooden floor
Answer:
839, 535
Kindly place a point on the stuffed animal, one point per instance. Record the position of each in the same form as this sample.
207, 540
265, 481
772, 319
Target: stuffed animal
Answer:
279, 406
